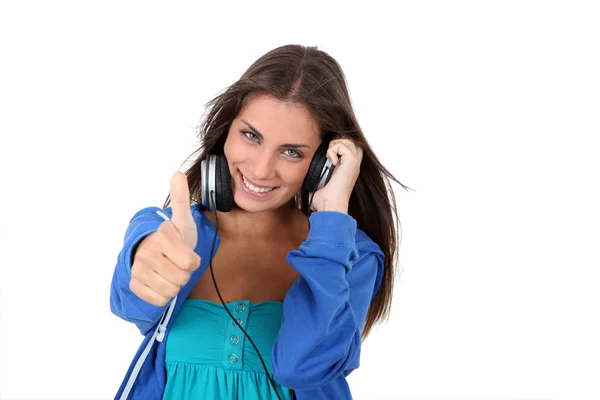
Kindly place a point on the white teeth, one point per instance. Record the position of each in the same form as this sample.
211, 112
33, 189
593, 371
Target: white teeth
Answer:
255, 188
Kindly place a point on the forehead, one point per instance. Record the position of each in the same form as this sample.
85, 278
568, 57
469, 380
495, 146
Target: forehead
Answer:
280, 121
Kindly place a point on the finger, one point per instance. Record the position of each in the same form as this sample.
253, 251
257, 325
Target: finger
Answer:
160, 285
333, 156
169, 252
146, 293
182, 257
351, 145
170, 272
338, 151
180, 200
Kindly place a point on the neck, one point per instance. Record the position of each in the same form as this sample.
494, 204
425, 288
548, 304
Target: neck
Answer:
265, 224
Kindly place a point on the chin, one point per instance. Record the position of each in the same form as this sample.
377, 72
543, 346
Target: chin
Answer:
254, 206
247, 203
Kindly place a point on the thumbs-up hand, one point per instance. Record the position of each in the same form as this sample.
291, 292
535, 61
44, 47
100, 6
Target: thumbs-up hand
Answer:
165, 259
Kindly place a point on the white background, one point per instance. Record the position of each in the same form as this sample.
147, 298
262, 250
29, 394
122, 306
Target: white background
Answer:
488, 110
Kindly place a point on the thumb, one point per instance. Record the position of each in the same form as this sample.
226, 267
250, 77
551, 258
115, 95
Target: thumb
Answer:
182, 213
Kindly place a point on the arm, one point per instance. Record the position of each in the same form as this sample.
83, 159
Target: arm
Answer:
325, 310
123, 302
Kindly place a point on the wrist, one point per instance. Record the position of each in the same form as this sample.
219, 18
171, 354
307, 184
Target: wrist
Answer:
338, 207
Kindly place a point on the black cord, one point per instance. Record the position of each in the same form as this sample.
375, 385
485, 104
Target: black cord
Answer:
223, 302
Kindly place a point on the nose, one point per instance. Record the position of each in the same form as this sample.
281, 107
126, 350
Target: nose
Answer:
263, 167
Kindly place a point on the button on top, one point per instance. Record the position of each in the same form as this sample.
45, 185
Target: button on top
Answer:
240, 307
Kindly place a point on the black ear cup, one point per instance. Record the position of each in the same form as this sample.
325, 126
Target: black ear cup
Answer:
223, 194
320, 169
215, 177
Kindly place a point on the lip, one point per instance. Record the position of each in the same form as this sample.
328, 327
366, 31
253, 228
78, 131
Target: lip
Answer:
250, 192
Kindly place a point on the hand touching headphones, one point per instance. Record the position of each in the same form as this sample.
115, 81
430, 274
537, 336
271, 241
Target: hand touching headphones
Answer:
346, 157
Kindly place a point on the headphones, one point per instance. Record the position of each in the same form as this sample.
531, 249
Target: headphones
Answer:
216, 178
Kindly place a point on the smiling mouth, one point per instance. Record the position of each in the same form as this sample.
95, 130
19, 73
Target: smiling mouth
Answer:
254, 188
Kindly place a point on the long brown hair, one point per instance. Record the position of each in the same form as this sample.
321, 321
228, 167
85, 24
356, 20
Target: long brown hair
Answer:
311, 77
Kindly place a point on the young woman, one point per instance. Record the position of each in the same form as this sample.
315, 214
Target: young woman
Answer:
274, 254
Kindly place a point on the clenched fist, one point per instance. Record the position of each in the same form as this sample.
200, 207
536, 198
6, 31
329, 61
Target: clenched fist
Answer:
165, 259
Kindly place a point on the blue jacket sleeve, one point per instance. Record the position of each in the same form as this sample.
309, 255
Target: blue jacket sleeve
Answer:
325, 309
123, 302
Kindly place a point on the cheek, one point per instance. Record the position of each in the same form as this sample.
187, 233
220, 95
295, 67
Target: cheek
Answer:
294, 175
232, 149
231, 154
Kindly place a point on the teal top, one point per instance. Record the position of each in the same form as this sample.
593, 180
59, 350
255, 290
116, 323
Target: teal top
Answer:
209, 357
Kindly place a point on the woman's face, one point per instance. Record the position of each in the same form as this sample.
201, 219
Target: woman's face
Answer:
269, 148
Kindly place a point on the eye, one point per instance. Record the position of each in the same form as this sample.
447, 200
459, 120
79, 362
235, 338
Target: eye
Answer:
250, 136
293, 153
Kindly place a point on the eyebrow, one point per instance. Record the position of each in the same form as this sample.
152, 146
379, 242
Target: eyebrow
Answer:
287, 145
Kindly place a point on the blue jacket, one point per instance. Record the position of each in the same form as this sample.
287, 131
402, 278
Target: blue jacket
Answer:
324, 311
